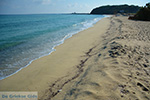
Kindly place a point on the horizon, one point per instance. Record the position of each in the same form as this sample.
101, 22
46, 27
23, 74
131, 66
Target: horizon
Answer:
16, 7
60, 13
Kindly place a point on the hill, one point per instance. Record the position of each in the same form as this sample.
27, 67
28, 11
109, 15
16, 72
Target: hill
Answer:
142, 14
115, 9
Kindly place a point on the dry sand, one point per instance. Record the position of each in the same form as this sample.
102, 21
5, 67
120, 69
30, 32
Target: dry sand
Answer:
110, 61
58, 66
118, 68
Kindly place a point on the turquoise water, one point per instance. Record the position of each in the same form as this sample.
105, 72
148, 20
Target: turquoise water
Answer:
24, 38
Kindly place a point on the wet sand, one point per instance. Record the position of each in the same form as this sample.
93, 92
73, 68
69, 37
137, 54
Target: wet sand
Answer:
61, 64
110, 61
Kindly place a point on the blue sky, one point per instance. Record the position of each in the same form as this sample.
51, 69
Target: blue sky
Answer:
58, 6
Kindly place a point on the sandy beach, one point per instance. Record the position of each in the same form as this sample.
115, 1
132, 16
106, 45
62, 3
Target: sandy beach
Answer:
110, 61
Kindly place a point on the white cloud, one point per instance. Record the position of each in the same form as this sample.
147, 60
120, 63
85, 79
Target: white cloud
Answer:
77, 5
73, 5
43, 2
46, 2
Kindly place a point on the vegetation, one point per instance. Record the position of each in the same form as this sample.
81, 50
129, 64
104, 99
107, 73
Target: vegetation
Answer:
143, 13
115, 9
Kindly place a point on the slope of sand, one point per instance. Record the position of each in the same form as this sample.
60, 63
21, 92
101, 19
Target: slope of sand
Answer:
117, 68
110, 61
48, 75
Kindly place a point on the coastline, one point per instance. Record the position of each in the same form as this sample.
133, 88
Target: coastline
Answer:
117, 68
52, 49
107, 61
23, 75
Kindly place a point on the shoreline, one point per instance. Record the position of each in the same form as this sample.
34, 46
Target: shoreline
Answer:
107, 61
17, 76
117, 68
53, 48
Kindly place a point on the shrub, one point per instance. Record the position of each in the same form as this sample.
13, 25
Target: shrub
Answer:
143, 13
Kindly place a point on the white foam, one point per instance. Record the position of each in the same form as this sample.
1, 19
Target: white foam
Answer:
82, 25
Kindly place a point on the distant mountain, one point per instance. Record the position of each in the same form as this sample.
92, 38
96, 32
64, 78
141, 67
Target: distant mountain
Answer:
115, 9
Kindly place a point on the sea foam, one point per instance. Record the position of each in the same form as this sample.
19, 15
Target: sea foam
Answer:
25, 38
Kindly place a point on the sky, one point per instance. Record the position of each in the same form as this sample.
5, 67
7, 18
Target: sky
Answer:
59, 6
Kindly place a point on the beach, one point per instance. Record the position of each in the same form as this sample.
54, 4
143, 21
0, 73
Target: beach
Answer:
109, 61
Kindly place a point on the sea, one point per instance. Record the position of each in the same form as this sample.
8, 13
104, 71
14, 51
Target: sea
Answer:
25, 38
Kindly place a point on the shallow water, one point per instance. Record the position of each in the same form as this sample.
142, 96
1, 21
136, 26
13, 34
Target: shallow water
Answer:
24, 38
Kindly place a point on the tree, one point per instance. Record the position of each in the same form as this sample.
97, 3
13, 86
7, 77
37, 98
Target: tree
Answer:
148, 5
143, 13
113, 9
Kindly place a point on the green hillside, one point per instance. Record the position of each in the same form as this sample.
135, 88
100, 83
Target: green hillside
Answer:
115, 9
143, 13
